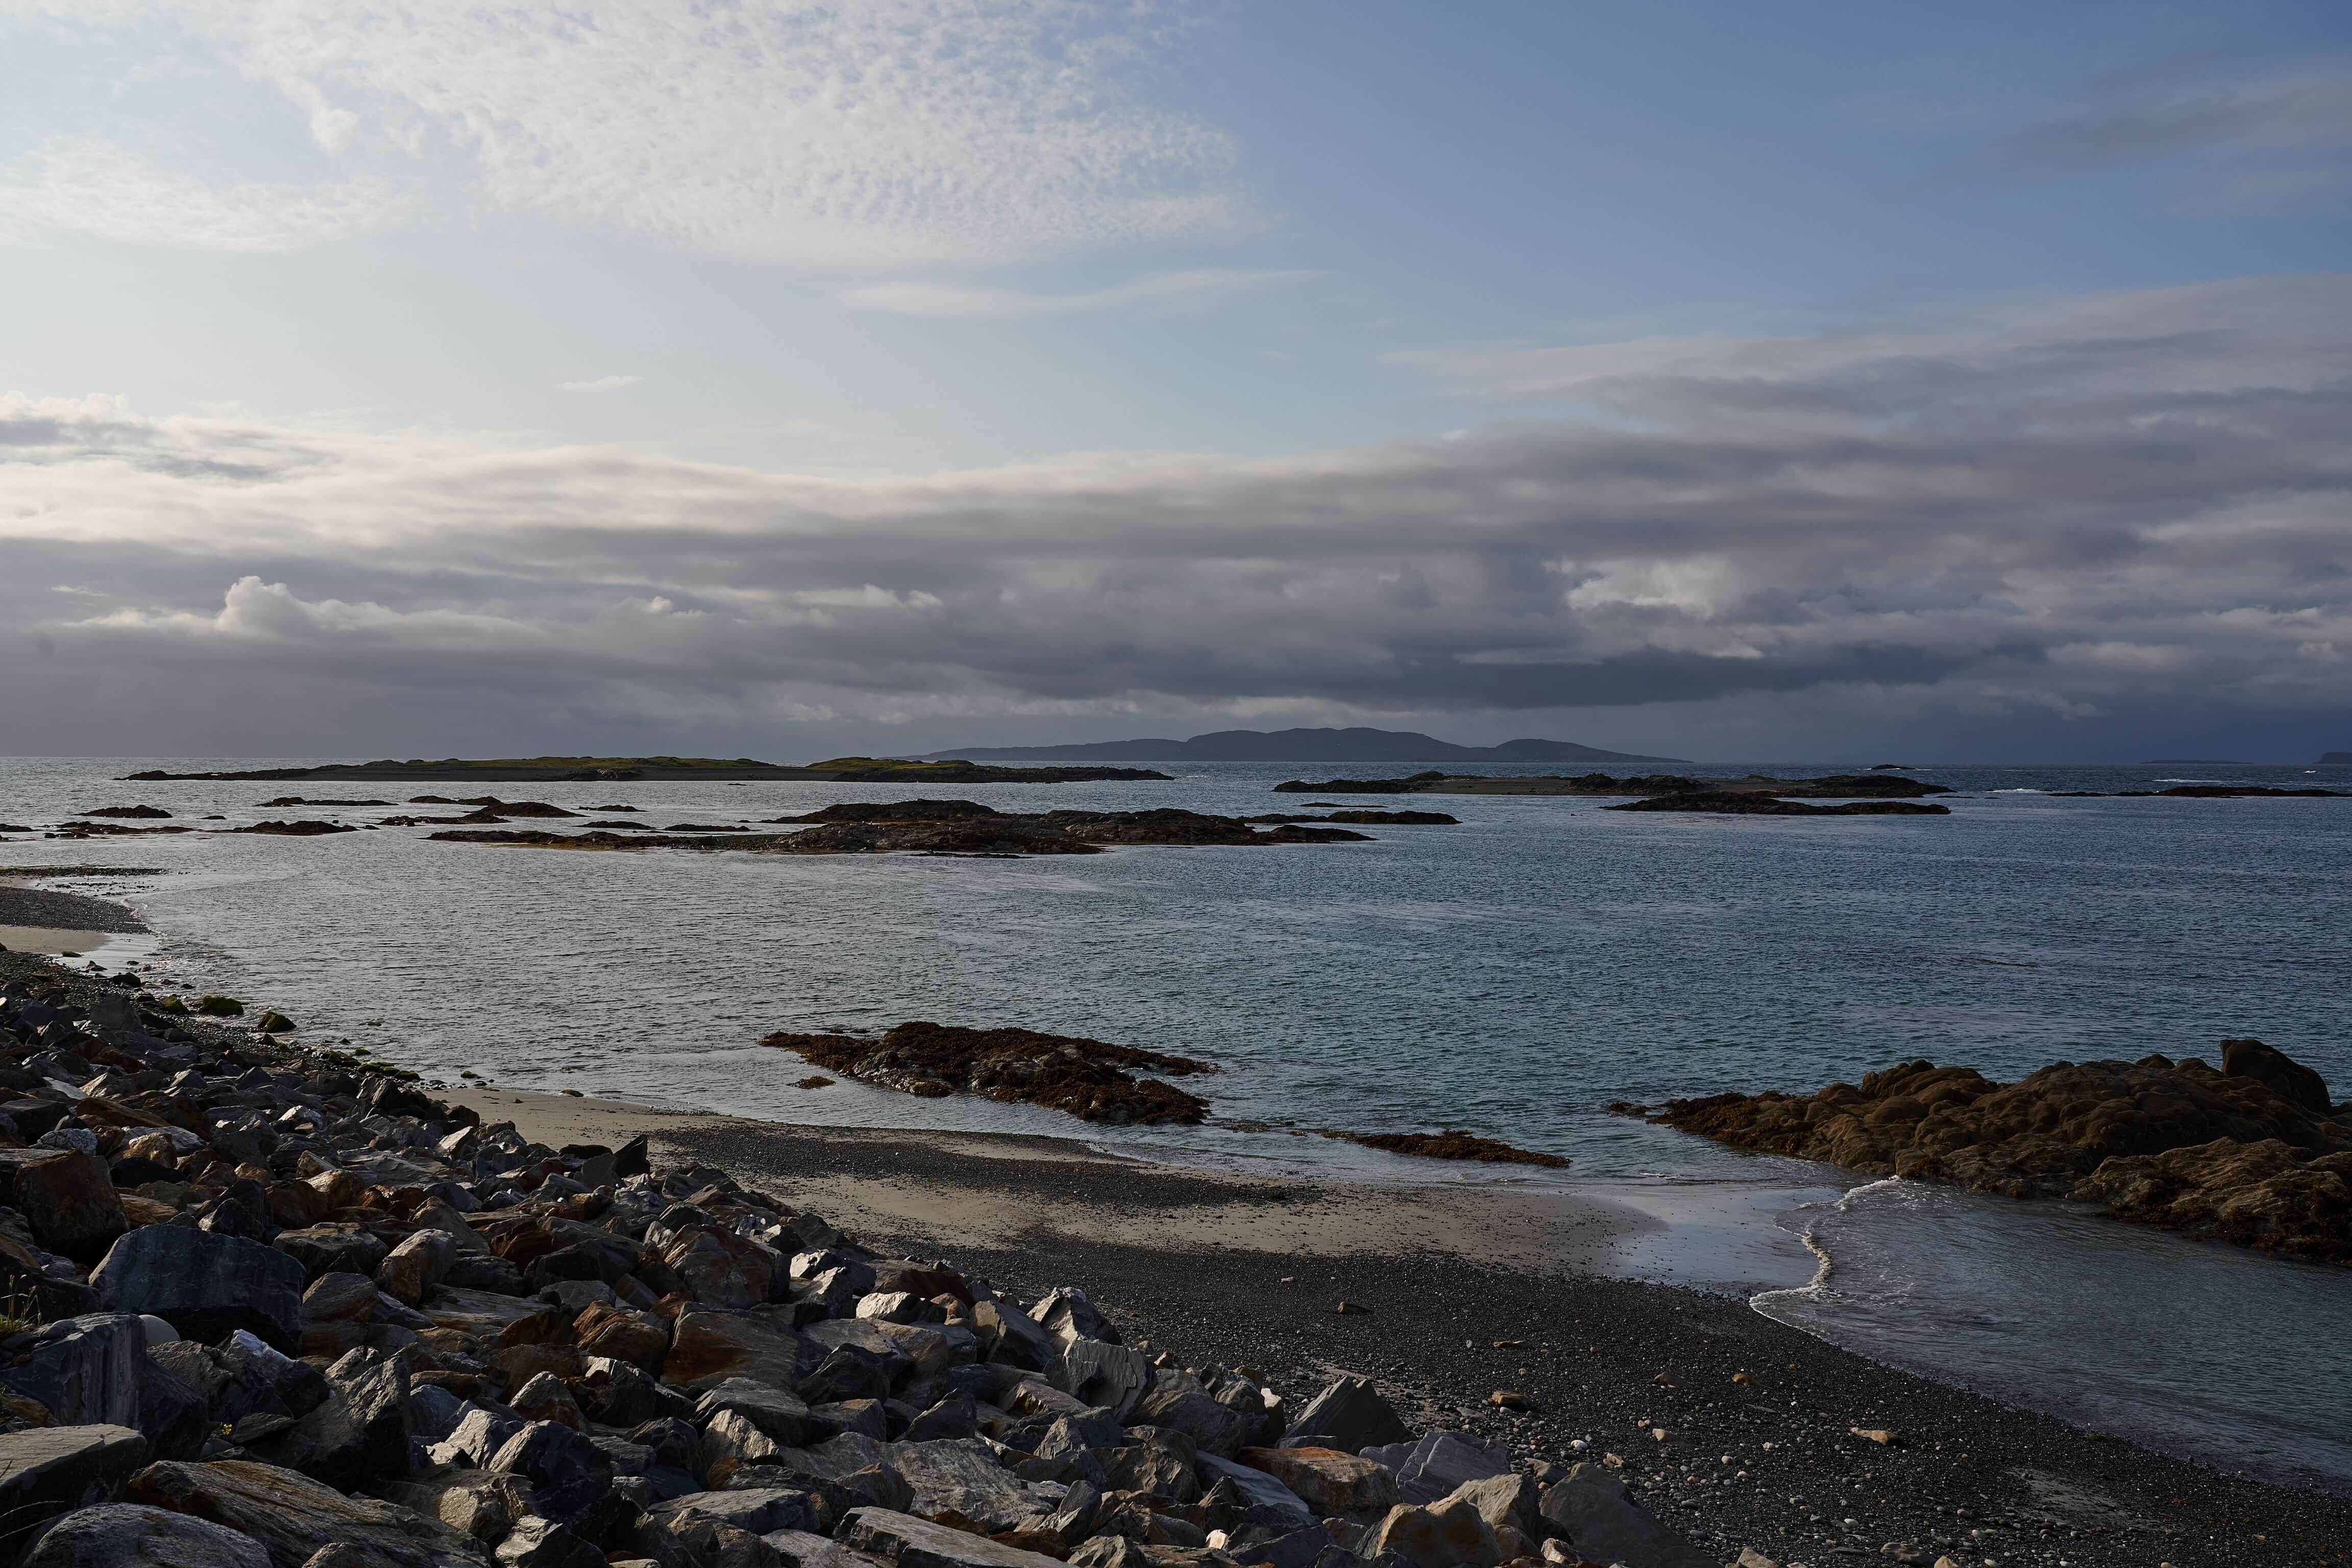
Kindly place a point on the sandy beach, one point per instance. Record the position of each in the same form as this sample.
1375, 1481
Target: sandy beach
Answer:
1744, 1431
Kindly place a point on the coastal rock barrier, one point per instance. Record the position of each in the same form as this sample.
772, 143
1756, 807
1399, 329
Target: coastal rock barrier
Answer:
275, 1309
2253, 1153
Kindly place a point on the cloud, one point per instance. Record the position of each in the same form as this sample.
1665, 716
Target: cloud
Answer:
2122, 504
88, 186
837, 133
601, 384
1159, 290
2270, 141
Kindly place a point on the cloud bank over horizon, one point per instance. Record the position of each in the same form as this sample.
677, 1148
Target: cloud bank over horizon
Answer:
2061, 512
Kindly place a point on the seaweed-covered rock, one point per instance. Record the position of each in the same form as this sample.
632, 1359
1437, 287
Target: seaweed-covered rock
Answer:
1091, 1079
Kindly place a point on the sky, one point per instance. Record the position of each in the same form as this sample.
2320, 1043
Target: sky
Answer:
1730, 381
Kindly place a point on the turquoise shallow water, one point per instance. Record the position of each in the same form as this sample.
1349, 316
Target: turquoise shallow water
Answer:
1513, 974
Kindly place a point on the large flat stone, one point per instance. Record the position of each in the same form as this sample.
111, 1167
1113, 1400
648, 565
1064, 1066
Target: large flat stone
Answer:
126, 1535
293, 1516
906, 1542
709, 1345
51, 1470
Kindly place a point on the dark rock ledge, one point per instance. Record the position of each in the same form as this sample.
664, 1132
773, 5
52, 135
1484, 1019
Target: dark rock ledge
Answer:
275, 1309
931, 827
2253, 1153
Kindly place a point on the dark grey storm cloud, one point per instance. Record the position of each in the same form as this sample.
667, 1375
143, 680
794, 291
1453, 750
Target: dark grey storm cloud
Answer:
2079, 507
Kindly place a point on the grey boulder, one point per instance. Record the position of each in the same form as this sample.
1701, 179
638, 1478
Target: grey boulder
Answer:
126, 1535
81, 1370
205, 1285
1603, 1523
1350, 1415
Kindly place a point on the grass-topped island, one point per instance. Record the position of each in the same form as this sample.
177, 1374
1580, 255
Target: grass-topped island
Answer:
730, 770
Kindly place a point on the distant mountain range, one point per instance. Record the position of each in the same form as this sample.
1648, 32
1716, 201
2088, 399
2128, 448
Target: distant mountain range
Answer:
1355, 745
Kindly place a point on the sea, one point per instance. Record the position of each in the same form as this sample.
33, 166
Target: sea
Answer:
1513, 974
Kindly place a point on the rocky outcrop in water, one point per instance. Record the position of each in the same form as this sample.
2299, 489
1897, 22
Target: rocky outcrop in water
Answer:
1451, 1145
1736, 803
1833, 786
288, 1311
2252, 1153
1092, 1079
936, 827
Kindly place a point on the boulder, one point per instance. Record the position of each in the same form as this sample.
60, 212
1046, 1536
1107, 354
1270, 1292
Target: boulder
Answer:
2281, 1073
83, 1370
569, 1475
1103, 1376
906, 1542
478, 1503
1603, 1523
641, 1339
1213, 1428
331, 1248
756, 1511
205, 1285
1011, 1336
1350, 1415
173, 1418
852, 1371
537, 1543
1438, 1464
1328, 1481
1271, 1504
1066, 1314
1442, 1537
359, 1433
72, 1204
545, 1398
800, 1549
781, 1415
126, 1535
709, 1345
1506, 1502
416, 1265
476, 1437
723, 1269
294, 1517
960, 1484
53, 1470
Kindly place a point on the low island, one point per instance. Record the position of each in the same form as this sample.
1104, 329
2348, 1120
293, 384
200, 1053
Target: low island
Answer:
673, 769
1834, 786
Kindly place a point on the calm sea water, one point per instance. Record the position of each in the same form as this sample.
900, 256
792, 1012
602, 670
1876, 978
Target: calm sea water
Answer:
1514, 976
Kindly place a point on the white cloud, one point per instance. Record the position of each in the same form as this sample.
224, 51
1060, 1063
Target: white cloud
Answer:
2132, 503
601, 384
85, 185
827, 132
1159, 290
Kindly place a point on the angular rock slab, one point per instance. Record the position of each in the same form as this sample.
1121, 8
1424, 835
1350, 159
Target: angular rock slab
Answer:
1329, 1481
205, 1285
906, 1542
1267, 1497
1350, 1415
1440, 1464
960, 1483
709, 1345
1448, 1535
126, 1535
51, 1470
1603, 1523
83, 1369
294, 1517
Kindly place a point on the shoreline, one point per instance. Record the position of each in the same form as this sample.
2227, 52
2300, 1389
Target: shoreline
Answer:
1250, 1271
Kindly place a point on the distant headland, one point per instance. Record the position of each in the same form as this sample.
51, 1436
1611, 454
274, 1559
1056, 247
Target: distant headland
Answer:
557, 769
1350, 745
